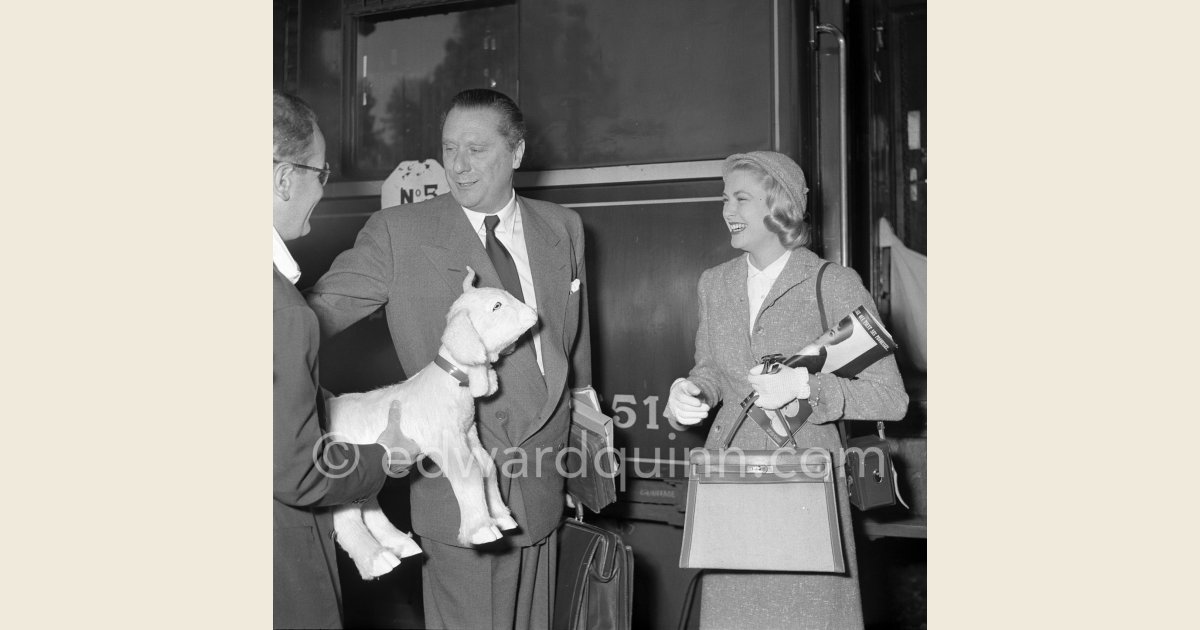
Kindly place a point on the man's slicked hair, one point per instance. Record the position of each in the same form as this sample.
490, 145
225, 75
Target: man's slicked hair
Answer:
512, 121
295, 128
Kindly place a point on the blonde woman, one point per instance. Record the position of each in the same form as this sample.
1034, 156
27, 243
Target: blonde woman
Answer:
764, 302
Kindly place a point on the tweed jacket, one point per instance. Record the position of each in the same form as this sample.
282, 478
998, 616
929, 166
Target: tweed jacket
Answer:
787, 321
411, 260
307, 593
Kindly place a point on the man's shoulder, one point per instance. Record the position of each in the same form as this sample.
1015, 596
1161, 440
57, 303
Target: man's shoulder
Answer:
554, 213
440, 203
549, 208
284, 293
415, 215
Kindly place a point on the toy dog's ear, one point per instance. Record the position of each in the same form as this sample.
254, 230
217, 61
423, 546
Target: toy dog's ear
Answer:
460, 338
469, 280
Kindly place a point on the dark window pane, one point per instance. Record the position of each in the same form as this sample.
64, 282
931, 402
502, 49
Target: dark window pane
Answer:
407, 70
634, 81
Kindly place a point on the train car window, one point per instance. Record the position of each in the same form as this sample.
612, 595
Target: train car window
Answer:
635, 82
409, 65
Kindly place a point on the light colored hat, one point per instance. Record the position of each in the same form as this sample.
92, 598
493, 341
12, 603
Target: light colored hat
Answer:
780, 167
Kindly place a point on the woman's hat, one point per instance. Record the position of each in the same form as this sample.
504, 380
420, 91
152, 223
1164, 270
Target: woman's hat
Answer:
779, 166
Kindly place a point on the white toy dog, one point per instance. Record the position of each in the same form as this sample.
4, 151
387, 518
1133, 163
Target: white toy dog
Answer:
437, 411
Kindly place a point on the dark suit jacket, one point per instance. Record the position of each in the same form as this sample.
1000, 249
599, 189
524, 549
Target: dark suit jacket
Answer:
411, 260
306, 589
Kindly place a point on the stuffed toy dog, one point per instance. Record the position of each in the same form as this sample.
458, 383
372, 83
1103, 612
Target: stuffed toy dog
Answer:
437, 411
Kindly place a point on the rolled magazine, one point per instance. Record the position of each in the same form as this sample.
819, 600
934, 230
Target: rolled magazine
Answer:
857, 341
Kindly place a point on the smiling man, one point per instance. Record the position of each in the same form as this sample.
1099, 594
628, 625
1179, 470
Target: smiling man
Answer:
411, 261
312, 473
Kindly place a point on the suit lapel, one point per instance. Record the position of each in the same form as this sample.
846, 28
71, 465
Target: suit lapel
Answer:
454, 246
799, 267
735, 283
549, 263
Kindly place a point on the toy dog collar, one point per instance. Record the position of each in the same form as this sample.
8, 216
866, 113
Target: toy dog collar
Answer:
452, 370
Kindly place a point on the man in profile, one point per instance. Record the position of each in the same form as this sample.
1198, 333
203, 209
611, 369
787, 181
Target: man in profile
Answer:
311, 472
411, 261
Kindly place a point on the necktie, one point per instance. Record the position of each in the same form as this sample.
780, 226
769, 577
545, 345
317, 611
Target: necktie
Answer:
523, 351
501, 259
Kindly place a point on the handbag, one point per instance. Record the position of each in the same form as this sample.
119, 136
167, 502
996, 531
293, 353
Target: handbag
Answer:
761, 510
870, 474
595, 578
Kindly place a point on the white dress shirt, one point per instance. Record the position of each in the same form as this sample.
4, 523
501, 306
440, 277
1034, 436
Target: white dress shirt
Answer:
283, 258
511, 234
759, 282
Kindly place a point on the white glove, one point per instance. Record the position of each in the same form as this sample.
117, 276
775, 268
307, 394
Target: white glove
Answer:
684, 404
781, 388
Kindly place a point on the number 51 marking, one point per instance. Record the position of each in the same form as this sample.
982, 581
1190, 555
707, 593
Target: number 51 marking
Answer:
623, 406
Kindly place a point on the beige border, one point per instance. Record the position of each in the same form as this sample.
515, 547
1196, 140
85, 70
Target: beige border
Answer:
137, 324
1062, 214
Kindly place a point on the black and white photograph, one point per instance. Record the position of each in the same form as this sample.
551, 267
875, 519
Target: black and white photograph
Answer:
601, 315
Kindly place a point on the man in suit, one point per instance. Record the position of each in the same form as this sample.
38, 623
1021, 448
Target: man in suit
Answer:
411, 260
311, 471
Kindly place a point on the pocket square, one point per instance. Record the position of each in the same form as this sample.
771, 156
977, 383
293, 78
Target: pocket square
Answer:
575, 285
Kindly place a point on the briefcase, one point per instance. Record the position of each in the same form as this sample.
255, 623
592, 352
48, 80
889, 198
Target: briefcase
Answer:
762, 511
595, 579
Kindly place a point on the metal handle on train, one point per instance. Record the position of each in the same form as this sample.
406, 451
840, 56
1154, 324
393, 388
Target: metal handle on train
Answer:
844, 209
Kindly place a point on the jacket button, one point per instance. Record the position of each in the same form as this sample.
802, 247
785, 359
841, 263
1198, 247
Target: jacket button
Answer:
502, 416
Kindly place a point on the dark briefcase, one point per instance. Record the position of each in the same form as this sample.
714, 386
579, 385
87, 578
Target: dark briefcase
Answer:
595, 579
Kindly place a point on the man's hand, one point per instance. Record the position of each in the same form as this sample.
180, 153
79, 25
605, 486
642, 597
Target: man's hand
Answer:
684, 403
778, 389
402, 452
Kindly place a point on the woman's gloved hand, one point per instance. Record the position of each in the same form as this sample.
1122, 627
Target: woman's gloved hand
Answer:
685, 404
778, 389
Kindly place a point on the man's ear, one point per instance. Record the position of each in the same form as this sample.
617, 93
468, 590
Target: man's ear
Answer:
281, 181
518, 153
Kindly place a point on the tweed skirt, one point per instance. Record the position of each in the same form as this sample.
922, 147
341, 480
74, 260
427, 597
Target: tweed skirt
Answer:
737, 600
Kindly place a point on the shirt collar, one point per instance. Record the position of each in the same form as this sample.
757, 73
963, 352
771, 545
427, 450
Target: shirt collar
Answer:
507, 216
283, 258
771, 271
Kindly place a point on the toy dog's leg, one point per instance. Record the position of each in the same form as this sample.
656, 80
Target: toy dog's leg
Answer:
382, 529
496, 507
371, 559
476, 526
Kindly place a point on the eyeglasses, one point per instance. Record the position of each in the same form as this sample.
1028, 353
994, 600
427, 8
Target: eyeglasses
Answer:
322, 173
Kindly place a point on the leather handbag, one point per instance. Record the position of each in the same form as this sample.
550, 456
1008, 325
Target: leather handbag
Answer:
870, 474
595, 578
762, 510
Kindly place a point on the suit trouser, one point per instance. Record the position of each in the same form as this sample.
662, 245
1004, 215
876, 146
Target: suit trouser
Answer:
476, 588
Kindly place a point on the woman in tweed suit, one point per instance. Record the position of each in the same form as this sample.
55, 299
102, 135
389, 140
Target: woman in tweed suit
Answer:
761, 303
